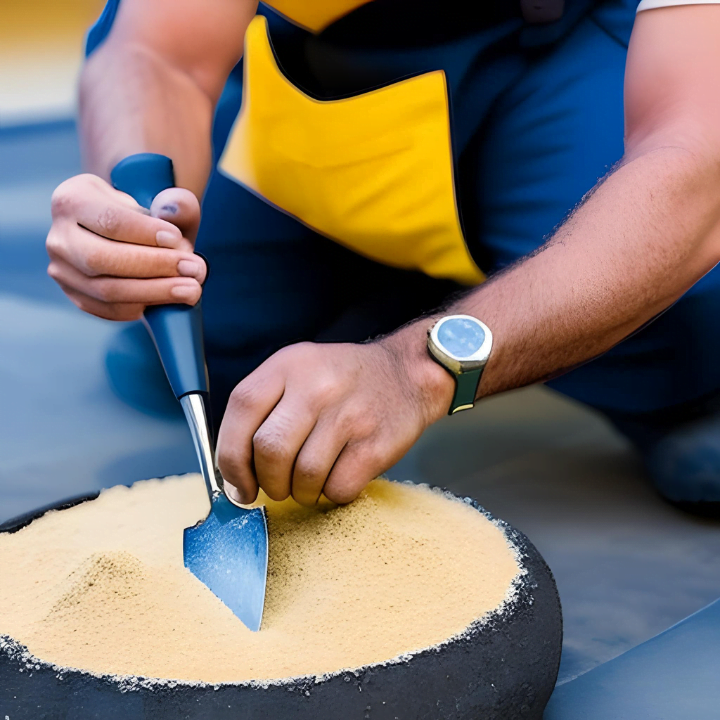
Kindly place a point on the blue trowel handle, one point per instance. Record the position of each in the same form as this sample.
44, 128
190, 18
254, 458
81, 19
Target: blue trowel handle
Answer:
176, 330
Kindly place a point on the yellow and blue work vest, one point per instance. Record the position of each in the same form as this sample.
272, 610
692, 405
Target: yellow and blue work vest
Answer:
355, 117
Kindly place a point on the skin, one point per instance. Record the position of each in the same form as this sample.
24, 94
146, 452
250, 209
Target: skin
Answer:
329, 418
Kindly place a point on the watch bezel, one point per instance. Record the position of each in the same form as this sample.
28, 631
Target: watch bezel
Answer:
453, 363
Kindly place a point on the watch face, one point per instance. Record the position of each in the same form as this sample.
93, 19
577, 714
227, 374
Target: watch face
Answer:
460, 337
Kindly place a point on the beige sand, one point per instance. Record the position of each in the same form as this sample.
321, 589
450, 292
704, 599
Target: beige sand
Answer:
102, 586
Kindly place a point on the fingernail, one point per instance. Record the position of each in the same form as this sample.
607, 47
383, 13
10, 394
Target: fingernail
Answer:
164, 238
183, 292
189, 268
233, 493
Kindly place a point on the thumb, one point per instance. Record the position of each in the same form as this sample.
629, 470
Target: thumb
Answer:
179, 207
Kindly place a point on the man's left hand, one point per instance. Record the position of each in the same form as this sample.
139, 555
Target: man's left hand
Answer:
328, 418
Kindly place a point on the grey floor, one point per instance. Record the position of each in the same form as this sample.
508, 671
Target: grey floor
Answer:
627, 565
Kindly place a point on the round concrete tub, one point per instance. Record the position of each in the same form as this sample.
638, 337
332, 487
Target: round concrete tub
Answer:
503, 667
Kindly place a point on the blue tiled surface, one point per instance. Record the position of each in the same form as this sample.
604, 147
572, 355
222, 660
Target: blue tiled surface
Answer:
627, 565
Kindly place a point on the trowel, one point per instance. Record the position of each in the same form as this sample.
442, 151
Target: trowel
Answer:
228, 550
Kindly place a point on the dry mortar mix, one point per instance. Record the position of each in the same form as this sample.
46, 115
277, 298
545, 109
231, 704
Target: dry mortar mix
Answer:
102, 587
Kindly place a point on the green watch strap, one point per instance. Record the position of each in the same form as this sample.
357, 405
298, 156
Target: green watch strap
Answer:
466, 385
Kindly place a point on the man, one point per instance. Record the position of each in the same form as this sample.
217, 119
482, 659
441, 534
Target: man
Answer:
386, 155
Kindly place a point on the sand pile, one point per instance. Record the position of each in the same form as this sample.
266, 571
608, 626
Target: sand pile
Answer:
102, 586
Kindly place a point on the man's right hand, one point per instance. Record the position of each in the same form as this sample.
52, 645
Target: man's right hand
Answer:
113, 259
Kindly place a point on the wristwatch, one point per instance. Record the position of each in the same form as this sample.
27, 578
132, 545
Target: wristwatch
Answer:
461, 344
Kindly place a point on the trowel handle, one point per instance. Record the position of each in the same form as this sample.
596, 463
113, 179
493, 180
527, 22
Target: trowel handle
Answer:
176, 330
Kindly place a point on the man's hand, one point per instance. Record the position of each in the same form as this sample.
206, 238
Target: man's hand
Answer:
330, 418
112, 259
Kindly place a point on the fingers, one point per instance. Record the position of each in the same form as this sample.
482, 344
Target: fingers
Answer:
110, 290
113, 258
181, 208
293, 453
107, 311
315, 461
356, 466
276, 444
88, 201
249, 404
93, 256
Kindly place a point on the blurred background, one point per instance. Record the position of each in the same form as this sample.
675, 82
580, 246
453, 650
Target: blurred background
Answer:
628, 566
40, 52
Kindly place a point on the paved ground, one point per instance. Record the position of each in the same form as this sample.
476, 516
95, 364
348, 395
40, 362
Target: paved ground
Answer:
627, 565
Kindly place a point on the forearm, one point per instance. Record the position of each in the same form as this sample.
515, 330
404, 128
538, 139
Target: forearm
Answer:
132, 100
645, 236
636, 245
153, 84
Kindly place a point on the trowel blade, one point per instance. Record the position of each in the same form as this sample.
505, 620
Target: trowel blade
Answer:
228, 551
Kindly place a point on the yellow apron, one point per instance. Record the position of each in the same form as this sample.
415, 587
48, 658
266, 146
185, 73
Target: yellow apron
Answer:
374, 172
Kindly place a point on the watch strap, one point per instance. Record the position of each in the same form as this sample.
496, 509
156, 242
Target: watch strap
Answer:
466, 385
